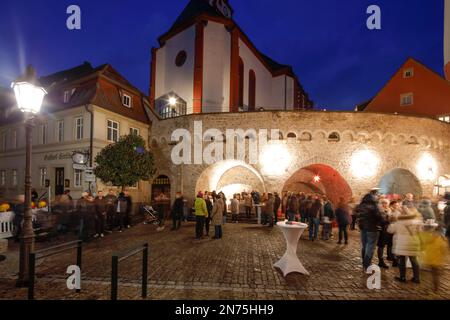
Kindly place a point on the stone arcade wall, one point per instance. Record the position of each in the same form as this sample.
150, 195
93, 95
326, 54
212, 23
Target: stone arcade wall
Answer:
400, 141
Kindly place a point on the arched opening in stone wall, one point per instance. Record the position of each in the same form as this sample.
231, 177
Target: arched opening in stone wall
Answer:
399, 182
230, 177
319, 179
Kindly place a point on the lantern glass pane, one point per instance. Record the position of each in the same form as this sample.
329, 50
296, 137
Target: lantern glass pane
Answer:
29, 97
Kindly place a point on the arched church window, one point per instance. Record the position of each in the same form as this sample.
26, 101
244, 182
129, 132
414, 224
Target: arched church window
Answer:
180, 60
251, 90
241, 82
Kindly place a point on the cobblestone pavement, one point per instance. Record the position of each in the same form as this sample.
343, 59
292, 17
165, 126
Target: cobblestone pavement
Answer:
238, 267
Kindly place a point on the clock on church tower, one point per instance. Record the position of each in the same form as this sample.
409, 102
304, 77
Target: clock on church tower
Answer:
223, 7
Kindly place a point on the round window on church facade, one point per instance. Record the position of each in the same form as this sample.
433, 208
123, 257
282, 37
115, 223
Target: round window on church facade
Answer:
181, 58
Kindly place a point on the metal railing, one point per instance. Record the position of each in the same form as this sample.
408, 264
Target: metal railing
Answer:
48, 252
119, 257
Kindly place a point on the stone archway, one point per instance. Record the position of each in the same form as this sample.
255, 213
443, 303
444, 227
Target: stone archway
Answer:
319, 179
230, 177
399, 182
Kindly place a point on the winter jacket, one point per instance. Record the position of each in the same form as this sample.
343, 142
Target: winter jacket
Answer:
447, 217
435, 249
110, 201
343, 216
100, 205
121, 205
234, 206
406, 236
316, 210
248, 201
177, 208
368, 214
85, 208
305, 207
293, 204
276, 204
209, 206
217, 212
200, 207
270, 206
426, 210
328, 211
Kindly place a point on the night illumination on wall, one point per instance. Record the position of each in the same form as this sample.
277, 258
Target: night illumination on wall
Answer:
427, 167
274, 159
364, 164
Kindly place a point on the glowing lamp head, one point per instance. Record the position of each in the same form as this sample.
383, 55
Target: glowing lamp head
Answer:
427, 167
364, 164
29, 96
317, 179
173, 101
275, 159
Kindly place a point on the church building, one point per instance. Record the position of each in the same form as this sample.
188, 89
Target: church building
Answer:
205, 64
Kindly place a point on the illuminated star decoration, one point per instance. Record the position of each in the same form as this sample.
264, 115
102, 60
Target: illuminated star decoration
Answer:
317, 178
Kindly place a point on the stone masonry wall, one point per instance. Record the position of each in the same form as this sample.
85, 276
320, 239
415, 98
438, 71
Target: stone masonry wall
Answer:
399, 141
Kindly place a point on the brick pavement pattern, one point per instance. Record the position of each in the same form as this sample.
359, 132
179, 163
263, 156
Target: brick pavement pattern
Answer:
238, 267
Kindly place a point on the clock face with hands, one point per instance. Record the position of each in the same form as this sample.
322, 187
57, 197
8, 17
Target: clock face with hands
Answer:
222, 7
79, 158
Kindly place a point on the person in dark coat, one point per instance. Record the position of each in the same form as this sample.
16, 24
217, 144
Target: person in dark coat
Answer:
385, 238
34, 196
177, 211
276, 207
127, 217
292, 207
120, 210
110, 210
86, 210
315, 214
209, 207
343, 219
328, 212
100, 215
19, 213
370, 221
225, 207
447, 217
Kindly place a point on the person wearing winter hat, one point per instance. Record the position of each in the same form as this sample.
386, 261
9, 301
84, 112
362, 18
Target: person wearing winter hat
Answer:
201, 212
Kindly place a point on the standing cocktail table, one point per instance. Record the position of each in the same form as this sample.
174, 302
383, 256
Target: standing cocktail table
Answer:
290, 262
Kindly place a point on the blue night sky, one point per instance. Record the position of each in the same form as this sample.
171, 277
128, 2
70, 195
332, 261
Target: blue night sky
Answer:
338, 60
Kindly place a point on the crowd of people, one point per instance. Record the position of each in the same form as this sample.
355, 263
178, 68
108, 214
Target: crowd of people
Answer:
406, 229
90, 216
397, 230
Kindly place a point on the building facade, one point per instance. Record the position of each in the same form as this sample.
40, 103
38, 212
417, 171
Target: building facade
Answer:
206, 64
415, 89
86, 109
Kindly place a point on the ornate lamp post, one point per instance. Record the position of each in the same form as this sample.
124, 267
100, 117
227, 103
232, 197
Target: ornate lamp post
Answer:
29, 96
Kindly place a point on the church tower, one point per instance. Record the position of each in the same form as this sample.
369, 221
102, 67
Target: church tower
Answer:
447, 40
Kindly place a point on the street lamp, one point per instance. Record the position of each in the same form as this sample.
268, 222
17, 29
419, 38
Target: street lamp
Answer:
29, 97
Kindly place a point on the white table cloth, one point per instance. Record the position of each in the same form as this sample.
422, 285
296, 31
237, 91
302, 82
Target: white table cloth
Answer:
290, 262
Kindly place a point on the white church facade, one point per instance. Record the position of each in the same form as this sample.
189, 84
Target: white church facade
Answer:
206, 64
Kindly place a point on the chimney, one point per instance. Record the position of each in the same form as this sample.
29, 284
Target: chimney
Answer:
447, 40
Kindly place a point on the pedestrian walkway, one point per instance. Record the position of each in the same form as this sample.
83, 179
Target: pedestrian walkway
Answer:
238, 267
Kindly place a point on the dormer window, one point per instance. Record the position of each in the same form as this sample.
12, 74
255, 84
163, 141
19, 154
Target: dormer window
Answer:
68, 95
407, 99
408, 73
126, 100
